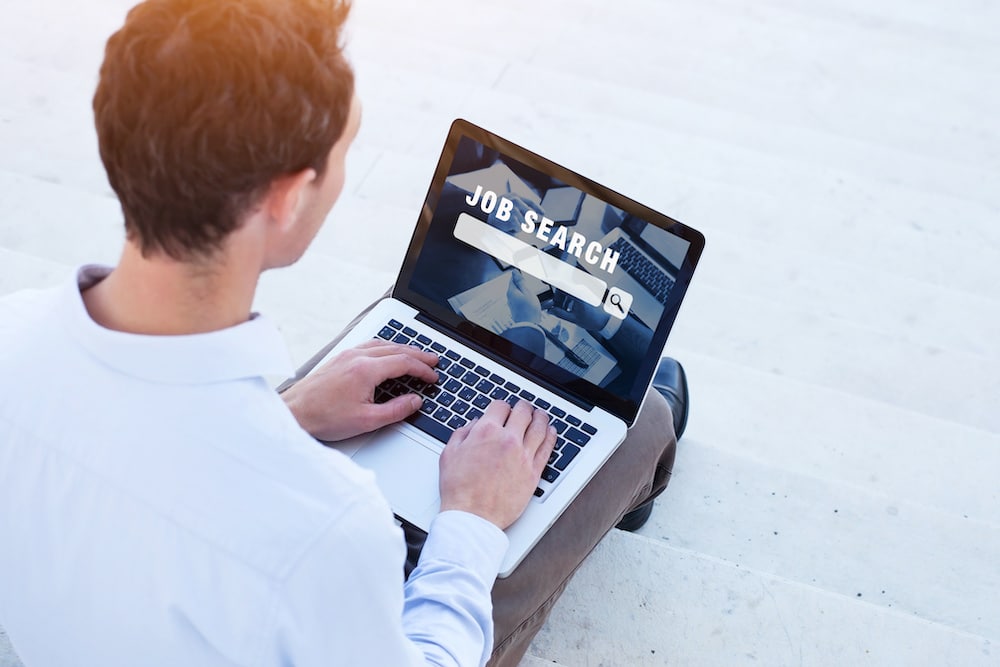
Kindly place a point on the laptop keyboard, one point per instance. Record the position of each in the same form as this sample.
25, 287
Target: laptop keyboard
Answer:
461, 394
649, 275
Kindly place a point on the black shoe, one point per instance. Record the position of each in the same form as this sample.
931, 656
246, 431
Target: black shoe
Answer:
637, 518
671, 382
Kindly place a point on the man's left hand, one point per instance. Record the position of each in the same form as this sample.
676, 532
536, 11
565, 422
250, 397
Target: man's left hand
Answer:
336, 401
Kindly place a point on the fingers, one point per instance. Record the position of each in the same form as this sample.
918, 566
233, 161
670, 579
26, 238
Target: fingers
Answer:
383, 348
390, 412
521, 205
520, 417
400, 365
460, 434
546, 443
497, 412
518, 280
397, 362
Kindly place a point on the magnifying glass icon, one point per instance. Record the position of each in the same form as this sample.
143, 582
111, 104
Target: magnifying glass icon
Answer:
618, 303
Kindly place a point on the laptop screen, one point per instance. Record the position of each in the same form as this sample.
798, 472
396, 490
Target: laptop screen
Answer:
565, 280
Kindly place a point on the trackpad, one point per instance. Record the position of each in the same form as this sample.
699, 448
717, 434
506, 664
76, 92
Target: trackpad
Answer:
407, 474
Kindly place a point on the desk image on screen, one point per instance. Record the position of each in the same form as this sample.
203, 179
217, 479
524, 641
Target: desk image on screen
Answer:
555, 271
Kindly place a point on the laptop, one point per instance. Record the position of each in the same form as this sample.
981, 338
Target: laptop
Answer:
521, 306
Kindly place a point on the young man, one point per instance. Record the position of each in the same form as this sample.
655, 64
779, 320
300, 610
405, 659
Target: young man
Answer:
159, 503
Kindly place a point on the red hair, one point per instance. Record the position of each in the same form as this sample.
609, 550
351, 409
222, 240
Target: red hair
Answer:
202, 104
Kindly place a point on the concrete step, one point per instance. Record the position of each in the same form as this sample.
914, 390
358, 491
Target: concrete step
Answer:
313, 300
19, 270
886, 550
789, 340
532, 661
65, 224
841, 436
639, 602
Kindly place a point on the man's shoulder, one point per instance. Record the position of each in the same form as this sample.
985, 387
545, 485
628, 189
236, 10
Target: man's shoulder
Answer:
28, 324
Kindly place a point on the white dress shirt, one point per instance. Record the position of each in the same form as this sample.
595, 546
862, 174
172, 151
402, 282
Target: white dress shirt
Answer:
159, 505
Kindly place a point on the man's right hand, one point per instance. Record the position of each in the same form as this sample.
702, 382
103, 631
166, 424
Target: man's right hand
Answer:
336, 401
491, 466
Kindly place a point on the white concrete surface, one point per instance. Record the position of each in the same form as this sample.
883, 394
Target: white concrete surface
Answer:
835, 499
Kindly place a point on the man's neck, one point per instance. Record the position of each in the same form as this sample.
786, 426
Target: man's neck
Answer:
160, 296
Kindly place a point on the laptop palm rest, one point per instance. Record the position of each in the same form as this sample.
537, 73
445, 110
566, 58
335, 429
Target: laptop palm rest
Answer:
406, 472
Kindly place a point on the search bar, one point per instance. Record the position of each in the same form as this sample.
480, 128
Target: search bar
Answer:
512, 250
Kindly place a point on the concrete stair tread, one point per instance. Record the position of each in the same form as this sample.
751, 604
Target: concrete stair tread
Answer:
674, 606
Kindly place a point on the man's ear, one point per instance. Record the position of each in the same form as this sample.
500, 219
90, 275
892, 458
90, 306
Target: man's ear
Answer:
283, 199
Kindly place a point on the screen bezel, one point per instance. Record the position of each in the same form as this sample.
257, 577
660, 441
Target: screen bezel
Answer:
558, 380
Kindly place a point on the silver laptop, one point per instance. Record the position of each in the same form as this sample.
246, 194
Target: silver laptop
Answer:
522, 306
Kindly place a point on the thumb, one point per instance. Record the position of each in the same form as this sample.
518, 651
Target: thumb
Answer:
390, 412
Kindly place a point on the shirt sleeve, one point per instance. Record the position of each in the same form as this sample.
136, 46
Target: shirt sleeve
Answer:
343, 602
449, 609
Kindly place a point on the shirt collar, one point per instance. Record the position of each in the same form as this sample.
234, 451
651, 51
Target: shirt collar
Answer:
252, 349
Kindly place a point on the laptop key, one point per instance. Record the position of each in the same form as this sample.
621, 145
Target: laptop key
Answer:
579, 437
446, 399
443, 363
423, 340
567, 455
482, 370
455, 371
428, 407
442, 415
527, 395
499, 393
474, 413
496, 379
549, 474
467, 393
511, 387
457, 422
587, 428
470, 379
468, 363
560, 426
542, 403
429, 426
512, 400
558, 412
480, 401
538, 492
451, 354
485, 386
438, 347
452, 385
401, 339
574, 420
410, 331
395, 325
386, 333
460, 407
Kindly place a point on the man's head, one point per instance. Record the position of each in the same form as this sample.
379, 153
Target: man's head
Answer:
203, 105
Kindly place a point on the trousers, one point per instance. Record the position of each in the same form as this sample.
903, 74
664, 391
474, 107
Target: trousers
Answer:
637, 472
